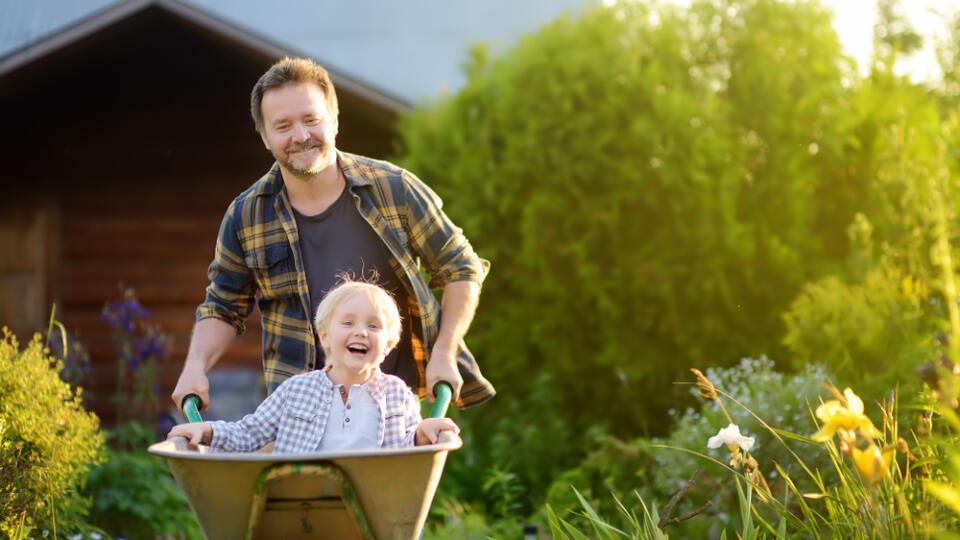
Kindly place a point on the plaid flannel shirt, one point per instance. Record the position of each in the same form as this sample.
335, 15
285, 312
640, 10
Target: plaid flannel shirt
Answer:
296, 414
258, 252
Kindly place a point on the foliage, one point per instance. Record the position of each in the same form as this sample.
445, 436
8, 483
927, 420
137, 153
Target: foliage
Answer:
624, 467
140, 346
134, 495
653, 185
645, 529
876, 332
76, 360
659, 187
611, 466
764, 397
47, 442
456, 519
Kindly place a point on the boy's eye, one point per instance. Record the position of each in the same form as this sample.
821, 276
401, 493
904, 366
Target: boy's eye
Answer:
348, 323
374, 326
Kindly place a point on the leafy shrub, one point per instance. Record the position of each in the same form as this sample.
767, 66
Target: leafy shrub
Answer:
48, 442
782, 401
455, 519
874, 333
134, 495
611, 467
653, 185
641, 468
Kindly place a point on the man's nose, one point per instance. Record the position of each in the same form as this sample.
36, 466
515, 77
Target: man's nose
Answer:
300, 133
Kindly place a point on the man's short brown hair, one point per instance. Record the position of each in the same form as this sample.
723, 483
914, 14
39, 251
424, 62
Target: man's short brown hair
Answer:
292, 71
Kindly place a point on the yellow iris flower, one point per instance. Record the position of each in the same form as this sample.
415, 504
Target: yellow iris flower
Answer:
873, 463
847, 415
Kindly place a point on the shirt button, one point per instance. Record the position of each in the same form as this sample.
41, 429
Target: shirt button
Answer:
348, 419
348, 406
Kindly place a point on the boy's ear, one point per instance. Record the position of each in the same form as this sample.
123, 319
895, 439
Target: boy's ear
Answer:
323, 338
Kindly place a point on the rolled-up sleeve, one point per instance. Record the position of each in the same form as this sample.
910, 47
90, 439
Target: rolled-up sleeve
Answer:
444, 251
232, 289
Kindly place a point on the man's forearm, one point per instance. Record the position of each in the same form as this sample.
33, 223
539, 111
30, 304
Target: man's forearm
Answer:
459, 303
211, 339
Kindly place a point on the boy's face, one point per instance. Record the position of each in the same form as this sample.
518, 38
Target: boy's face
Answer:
355, 339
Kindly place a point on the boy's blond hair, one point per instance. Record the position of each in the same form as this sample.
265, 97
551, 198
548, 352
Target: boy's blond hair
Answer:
383, 301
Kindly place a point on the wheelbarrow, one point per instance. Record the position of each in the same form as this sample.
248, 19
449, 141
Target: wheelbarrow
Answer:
358, 494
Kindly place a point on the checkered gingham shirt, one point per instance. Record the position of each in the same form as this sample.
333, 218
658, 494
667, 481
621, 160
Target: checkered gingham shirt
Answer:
296, 414
258, 252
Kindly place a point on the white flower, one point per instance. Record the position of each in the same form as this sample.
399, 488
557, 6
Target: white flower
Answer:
730, 436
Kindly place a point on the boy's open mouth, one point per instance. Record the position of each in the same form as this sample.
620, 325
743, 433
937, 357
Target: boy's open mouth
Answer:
357, 349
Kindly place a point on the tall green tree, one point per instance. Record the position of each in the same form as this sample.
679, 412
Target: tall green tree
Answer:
654, 186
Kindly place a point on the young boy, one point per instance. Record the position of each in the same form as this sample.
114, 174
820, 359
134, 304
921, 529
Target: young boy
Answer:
350, 404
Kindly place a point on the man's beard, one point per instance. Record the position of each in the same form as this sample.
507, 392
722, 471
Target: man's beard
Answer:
314, 169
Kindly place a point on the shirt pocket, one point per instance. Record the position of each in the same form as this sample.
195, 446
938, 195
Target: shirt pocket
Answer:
298, 429
273, 267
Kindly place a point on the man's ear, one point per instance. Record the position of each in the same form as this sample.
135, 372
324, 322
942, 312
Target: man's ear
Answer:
264, 139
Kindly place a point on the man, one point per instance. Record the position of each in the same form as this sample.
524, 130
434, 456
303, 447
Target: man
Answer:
318, 214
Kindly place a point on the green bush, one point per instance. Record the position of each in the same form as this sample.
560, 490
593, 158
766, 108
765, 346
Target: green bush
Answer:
653, 186
48, 442
873, 334
134, 495
784, 401
656, 186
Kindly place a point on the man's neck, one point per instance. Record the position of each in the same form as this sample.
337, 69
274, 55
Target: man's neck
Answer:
313, 194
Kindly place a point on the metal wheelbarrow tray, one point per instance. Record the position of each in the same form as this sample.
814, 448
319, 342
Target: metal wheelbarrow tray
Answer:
360, 494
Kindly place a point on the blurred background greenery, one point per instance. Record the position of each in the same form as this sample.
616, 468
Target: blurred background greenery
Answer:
662, 187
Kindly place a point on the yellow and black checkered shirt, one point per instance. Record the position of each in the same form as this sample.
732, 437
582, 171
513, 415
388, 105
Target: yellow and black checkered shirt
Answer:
258, 252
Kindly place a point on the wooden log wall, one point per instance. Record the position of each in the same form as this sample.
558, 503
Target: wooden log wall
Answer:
159, 245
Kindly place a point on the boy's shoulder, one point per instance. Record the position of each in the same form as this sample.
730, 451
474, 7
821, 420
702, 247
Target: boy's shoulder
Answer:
393, 381
394, 386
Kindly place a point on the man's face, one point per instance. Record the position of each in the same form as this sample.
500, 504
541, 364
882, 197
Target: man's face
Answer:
298, 129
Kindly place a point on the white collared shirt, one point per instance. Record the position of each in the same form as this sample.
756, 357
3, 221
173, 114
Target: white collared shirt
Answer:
352, 425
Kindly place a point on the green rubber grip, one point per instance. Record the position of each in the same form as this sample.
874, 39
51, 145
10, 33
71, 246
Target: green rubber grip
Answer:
191, 407
443, 391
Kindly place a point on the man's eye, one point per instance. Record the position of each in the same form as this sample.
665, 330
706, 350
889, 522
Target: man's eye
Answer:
282, 127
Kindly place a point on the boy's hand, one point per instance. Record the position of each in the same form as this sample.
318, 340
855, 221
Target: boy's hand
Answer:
428, 432
196, 433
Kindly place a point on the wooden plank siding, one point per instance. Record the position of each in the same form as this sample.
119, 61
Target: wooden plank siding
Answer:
160, 248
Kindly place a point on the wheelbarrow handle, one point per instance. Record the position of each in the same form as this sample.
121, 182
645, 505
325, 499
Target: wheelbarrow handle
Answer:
191, 407
443, 391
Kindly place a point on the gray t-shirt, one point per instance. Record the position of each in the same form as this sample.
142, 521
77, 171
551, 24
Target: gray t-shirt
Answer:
339, 240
